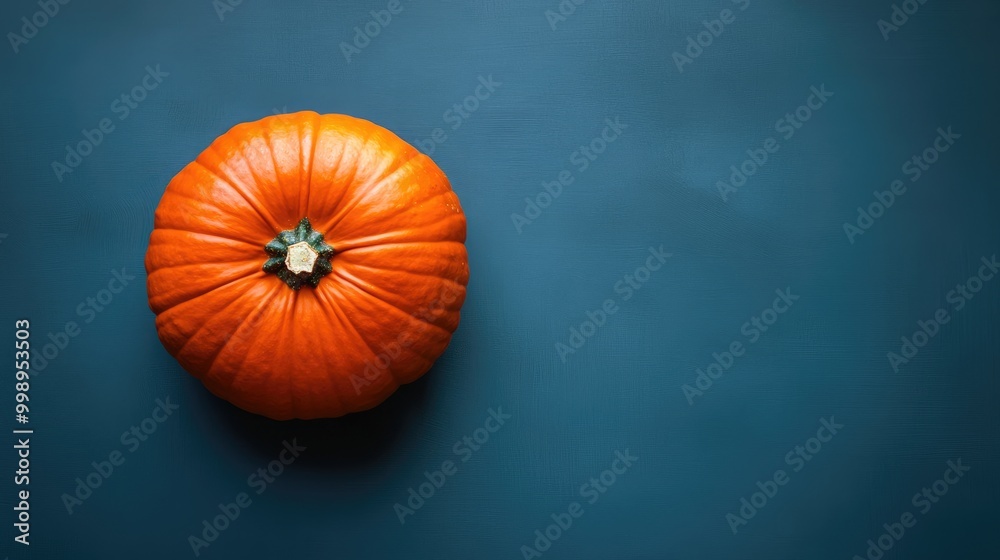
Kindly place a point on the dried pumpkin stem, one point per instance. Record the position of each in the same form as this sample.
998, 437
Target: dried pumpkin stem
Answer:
299, 256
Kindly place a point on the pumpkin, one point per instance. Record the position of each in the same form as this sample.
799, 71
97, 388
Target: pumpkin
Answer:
306, 265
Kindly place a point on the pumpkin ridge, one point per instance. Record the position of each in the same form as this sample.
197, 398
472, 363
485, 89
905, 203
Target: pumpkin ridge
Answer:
404, 271
254, 204
204, 324
203, 234
346, 185
214, 261
331, 305
360, 284
240, 372
269, 127
265, 132
317, 120
284, 333
346, 244
345, 320
390, 244
255, 167
353, 282
373, 183
266, 299
429, 358
362, 198
253, 189
168, 205
210, 290
372, 241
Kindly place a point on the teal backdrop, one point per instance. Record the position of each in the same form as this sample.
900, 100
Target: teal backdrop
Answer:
721, 310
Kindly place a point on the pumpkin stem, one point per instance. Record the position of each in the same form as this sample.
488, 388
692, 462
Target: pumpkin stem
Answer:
299, 256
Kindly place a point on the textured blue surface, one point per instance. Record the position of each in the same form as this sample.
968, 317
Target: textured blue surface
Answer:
654, 185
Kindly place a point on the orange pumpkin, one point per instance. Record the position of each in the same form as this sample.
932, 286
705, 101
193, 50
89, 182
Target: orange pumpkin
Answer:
306, 265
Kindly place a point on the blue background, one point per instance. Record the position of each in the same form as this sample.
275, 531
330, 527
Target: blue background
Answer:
655, 185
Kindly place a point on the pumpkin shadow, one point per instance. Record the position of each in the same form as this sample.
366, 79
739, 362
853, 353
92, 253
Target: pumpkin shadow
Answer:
351, 442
